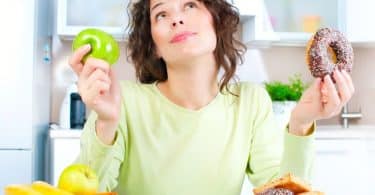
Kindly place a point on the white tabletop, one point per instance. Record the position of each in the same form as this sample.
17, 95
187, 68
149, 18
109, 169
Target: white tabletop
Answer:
323, 132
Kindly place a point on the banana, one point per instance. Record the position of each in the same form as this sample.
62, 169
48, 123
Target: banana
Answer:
47, 189
16, 189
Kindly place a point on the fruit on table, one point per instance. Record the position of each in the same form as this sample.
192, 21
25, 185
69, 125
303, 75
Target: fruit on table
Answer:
36, 188
16, 189
46, 188
79, 179
42, 188
103, 45
76, 179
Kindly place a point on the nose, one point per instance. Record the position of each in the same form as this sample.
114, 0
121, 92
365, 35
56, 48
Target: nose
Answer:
177, 17
175, 23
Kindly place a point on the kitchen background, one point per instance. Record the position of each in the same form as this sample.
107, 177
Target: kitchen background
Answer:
275, 31
264, 63
276, 63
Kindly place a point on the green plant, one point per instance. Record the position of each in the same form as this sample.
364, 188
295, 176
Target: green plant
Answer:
291, 91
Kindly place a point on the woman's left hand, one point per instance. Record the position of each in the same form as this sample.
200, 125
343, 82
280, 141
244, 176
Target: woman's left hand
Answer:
321, 100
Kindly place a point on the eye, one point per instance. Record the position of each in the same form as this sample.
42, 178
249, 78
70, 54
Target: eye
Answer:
160, 16
191, 4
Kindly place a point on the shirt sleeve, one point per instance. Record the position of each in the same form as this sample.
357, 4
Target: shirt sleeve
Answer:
105, 160
274, 151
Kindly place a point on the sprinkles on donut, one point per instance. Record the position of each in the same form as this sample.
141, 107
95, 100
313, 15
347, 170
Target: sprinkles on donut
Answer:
319, 53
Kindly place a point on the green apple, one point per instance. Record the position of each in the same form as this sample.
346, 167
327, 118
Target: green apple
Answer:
103, 45
79, 179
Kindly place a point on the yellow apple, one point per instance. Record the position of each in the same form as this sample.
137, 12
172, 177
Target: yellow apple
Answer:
79, 179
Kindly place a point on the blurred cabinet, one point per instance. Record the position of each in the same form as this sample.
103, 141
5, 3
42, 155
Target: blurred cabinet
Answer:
343, 166
296, 20
76, 15
256, 26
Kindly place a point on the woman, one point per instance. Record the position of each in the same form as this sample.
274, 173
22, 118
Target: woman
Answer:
183, 130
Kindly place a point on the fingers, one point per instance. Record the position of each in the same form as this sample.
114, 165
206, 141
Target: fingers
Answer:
92, 64
310, 94
317, 84
342, 86
335, 97
349, 81
333, 100
93, 80
96, 89
115, 86
98, 84
324, 93
76, 58
98, 74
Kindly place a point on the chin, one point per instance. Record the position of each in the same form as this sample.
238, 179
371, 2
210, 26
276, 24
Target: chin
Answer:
188, 56
194, 51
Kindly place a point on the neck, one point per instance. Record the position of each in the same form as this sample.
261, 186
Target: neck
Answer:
192, 85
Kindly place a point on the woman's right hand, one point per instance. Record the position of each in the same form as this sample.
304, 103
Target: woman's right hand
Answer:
99, 90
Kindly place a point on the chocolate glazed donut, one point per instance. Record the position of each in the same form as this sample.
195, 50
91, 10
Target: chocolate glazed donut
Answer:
277, 191
319, 60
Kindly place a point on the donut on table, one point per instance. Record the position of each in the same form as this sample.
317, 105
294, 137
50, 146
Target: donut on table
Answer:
329, 50
277, 191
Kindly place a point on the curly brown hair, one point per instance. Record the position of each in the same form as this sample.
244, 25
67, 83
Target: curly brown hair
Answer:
150, 68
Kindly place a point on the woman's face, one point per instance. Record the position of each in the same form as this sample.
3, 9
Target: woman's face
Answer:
181, 29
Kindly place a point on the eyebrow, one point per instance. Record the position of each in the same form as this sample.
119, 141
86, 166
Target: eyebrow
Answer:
157, 5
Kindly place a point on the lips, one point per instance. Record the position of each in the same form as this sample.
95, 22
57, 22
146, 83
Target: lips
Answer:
182, 36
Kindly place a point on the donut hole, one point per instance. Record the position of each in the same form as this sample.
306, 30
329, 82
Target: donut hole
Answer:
332, 55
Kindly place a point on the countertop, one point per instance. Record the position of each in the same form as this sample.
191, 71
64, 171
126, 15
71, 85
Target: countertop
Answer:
338, 132
64, 133
323, 132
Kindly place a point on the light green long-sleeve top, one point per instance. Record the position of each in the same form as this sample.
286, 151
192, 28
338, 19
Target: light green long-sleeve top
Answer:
164, 149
